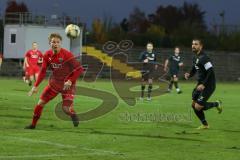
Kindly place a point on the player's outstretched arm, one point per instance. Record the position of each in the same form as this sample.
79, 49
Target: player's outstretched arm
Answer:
32, 91
42, 72
76, 69
25, 63
192, 73
166, 65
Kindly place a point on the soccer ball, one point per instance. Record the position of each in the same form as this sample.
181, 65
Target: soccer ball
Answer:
72, 31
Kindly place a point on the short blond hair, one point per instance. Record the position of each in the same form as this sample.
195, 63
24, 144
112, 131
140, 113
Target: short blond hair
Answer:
54, 35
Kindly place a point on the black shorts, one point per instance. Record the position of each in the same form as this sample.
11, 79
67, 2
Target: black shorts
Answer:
201, 97
173, 73
148, 71
147, 75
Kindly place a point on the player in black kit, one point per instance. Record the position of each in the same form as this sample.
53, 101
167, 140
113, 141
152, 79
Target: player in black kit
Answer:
148, 58
174, 63
206, 85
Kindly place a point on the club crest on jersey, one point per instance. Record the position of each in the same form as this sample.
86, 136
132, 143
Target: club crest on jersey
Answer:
34, 56
60, 60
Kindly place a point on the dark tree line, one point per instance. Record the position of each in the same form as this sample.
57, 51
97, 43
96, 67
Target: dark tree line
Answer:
169, 22
166, 27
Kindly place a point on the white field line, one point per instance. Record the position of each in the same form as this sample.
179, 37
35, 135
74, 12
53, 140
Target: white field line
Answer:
29, 140
40, 142
49, 156
31, 156
102, 151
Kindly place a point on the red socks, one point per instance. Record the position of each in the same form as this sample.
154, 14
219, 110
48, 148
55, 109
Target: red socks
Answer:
68, 110
36, 114
67, 107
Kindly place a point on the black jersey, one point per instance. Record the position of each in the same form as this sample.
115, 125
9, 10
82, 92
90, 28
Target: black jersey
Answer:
150, 56
174, 62
203, 66
149, 66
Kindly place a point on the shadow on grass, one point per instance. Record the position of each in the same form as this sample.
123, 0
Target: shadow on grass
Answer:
97, 132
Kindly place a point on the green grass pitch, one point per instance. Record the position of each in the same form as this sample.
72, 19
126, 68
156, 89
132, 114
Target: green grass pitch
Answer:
126, 133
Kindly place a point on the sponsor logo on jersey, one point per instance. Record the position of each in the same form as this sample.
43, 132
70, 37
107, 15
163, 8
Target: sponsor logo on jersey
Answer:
56, 65
34, 56
176, 58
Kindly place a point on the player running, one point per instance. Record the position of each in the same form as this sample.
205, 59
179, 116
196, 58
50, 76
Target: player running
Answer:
206, 83
31, 63
148, 58
174, 62
65, 72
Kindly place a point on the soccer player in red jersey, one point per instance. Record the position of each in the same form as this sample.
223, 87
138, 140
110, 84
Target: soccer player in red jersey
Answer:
31, 62
65, 72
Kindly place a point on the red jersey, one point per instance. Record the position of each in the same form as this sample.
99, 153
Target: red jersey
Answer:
33, 57
64, 67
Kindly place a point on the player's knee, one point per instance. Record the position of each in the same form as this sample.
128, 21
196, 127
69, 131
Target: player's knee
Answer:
198, 107
143, 84
193, 104
175, 79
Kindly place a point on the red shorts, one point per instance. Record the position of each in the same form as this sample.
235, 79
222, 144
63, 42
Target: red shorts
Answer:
49, 93
32, 70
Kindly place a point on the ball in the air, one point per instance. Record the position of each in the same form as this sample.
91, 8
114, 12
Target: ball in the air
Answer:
72, 31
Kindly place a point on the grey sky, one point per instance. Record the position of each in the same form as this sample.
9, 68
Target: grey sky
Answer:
118, 9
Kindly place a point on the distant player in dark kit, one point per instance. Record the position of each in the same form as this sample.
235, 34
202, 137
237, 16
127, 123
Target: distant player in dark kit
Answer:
65, 72
174, 62
148, 58
206, 85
